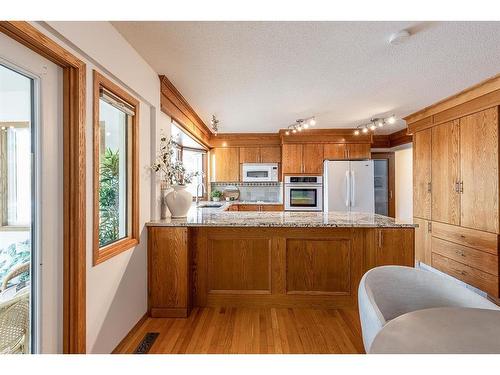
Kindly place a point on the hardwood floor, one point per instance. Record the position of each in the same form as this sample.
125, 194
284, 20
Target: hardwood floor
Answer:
253, 330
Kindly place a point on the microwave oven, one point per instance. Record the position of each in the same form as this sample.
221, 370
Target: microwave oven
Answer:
260, 172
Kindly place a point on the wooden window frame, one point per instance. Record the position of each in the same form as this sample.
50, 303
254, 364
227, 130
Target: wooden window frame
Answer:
101, 254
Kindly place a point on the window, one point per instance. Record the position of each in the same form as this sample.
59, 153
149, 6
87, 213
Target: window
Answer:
116, 203
194, 158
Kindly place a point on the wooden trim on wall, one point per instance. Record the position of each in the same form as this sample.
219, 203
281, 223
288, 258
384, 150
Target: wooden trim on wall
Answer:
245, 139
325, 136
128, 337
101, 254
74, 228
177, 107
400, 138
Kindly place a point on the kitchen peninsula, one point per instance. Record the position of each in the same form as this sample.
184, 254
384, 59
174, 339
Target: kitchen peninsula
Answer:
217, 257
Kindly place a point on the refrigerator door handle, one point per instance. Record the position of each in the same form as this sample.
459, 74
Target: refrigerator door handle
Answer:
347, 189
353, 189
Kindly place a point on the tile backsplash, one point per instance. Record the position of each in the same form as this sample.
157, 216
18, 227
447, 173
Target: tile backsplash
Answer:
254, 191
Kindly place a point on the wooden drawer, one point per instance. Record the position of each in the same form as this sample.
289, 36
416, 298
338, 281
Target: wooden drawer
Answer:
474, 258
482, 280
479, 240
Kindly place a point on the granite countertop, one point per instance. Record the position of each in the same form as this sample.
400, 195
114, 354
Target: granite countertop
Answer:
219, 217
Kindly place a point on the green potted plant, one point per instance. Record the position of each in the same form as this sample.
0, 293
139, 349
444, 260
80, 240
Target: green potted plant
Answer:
216, 195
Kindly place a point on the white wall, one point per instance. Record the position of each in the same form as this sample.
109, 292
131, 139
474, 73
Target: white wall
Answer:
404, 183
117, 288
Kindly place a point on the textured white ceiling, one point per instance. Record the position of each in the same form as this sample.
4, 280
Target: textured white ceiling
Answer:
262, 76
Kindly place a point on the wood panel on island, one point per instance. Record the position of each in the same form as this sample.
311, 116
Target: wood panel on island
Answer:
456, 180
266, 267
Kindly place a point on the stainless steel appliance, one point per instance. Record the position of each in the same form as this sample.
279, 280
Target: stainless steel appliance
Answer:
349, 186
303, 193
260, 172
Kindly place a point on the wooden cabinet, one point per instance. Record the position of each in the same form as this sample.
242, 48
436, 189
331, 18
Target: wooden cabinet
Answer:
271, 207
346, 151
270, 154
225, 164
445, 173
256, 207
423, 240
479, 170
463, 158
394, 247
358, 151
303, 158
249, 155
335, 151
263, 154
292, 158
422, 158
168, 250
312, 158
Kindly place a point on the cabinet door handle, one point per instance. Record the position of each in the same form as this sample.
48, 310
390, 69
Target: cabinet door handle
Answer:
457, 187
429, 227
462, 187
429, 187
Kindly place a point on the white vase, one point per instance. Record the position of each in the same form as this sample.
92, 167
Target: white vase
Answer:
163, 203
179, 201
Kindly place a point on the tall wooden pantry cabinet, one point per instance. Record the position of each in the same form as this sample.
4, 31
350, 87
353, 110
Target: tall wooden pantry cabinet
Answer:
455, 185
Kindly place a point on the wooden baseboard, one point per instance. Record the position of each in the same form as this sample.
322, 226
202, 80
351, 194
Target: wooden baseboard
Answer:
129, 335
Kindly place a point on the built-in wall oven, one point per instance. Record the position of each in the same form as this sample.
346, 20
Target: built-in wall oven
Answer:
303, 193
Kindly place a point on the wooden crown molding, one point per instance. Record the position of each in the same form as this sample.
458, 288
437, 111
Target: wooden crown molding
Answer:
482, 88
325, 136
74, 178
245, 139
177, 107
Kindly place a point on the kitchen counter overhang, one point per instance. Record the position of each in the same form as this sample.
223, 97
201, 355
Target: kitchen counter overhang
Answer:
219, 217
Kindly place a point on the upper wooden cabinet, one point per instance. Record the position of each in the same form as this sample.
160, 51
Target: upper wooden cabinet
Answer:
302, 158
292, 158
445, 173
358, 151
264, 154
270, 154
312, 158
347, 151
479, 170
249, 155
422, 177
335, 151
225, 164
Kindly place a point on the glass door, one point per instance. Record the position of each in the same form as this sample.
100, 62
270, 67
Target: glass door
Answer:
16, 212
384, 183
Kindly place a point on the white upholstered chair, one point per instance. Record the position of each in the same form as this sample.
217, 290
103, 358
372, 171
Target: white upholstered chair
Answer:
390, 291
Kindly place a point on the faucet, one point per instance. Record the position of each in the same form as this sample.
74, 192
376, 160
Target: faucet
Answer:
203, 189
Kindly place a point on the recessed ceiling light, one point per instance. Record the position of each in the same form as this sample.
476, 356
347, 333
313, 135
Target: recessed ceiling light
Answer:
399, 38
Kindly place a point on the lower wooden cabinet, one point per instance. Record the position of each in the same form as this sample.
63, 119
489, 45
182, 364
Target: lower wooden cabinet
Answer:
423, 238
390, 246
280, 267
169, 272
255, 207
468, 255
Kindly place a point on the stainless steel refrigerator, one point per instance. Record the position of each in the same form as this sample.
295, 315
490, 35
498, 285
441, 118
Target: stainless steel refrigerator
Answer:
348, 186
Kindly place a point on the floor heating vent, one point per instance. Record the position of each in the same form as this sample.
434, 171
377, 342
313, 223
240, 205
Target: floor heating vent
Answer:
146, 343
